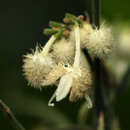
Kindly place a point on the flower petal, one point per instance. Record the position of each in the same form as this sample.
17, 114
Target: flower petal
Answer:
63, 87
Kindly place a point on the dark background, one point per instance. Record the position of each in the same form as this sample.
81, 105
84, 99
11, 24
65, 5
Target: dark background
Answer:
21, 27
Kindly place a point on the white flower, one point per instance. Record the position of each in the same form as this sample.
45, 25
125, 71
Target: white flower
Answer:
67, 79
74, 80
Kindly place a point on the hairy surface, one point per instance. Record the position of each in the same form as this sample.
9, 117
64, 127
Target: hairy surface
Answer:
36, 67
63, 51
85, 31
80, 85
54, 75
100, 42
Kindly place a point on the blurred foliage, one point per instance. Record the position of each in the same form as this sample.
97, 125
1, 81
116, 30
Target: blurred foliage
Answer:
21, 26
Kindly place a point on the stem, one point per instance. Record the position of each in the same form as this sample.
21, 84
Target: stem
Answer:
48, 45
76, 64
10, 116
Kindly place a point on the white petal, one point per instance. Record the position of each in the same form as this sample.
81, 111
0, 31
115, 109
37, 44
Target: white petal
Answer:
63, 87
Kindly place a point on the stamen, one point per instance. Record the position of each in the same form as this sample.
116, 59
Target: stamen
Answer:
50, 104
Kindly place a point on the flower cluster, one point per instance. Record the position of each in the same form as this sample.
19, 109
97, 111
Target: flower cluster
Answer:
62, 62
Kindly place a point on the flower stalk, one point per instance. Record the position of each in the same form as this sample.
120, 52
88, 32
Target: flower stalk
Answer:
48, 45
76, 65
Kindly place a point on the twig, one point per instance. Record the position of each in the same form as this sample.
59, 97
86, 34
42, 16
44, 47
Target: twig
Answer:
10, 116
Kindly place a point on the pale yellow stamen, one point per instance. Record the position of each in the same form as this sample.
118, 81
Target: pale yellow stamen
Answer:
50, 104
